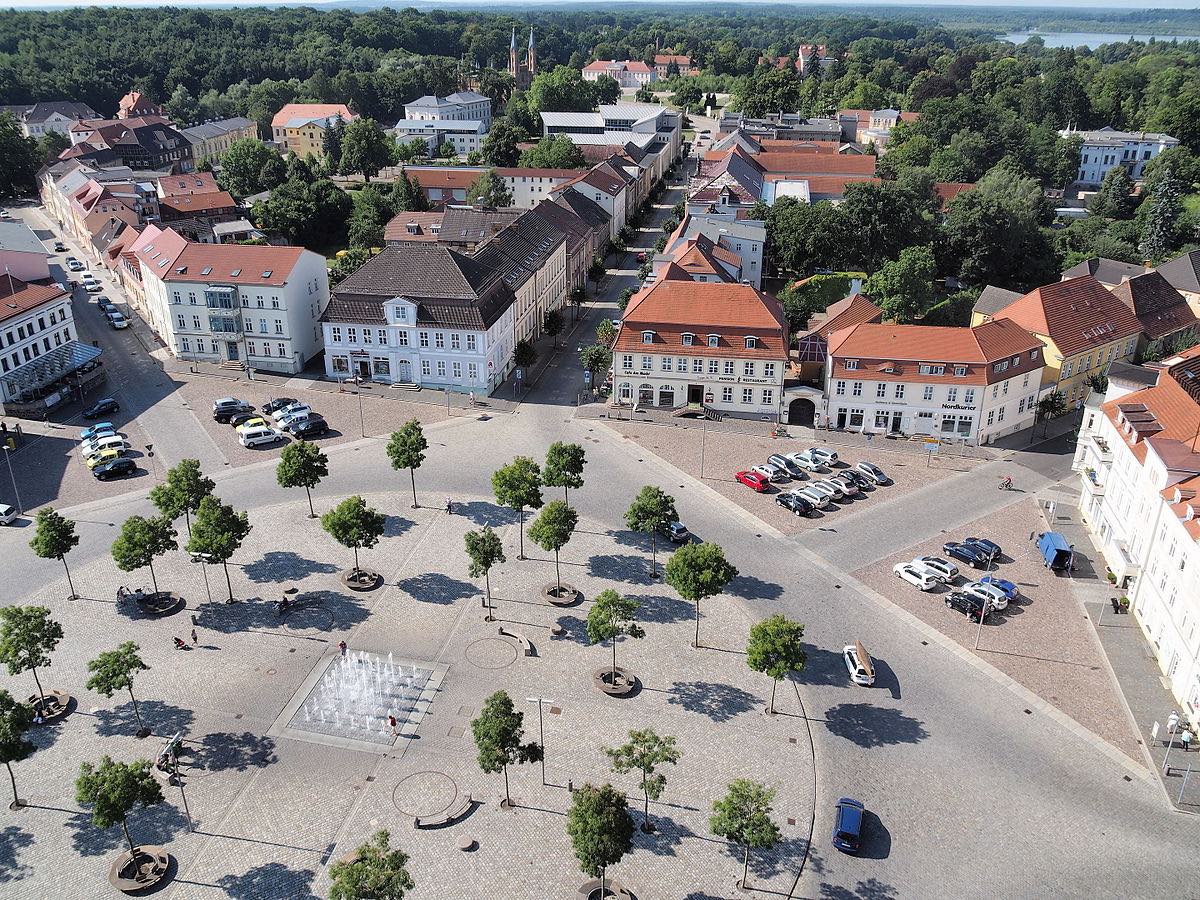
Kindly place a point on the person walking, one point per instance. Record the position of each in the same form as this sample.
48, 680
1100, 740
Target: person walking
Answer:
392, 722
342, 647
195, 640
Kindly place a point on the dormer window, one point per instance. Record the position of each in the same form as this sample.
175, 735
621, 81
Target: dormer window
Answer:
688, 339
714, 340
960, 371
751, 342
852, 364
1033, 354
647, 337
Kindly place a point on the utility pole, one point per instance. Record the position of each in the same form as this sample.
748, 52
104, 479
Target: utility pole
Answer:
541, 731
8, 459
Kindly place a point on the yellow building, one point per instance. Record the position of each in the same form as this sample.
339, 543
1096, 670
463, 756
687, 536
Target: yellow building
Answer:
300, 127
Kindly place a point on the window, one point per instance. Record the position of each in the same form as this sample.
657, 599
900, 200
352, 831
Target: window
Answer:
852, 364
927, 369
768, 397
183, 345
748, 368
1021, 406
441, 368
1025, 381
341, 364
456, 370
668, 363
1016, 361
688, 339
681, 364
251, 348
1000, 414
768, 370
856, 389
647, 337
1004, 389
473, 371
262, 327
1066, 369
697, 366
751, 342
381, 333
714, 340
471, 342
425, 367
899, 392
249, 325
182, 323
439, 340
368, 338
351, 334
928, 393
423, 338
991, 417
726, 394
727, 367
1085, 362
995, 391
1033, 354
381, 367
1128, 347
335, 334
401, 313
952, 395
455, 341
282, 349
627, 361
881, 390
747, 395
1000, 366
960, 371
969, 396
840, 388
713, 366
402, 338
647, 362
266, 349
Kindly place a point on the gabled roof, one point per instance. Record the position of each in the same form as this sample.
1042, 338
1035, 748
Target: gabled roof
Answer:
209, 130
17, 297
992, 299
806, 163
244, 264
1183, 272
945, 191
43, 110
520, 249
191, 183
422, 226
1077, 315
1160, 308
857, 309
585, 209
737, 172
1106, 271
310, 112
475, 224
199, 204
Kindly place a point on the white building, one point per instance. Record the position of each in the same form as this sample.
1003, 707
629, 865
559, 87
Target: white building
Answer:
1138, 458
973, 384
461, 106
37, 119
22, 255
628, 73
1105, 148
745, 238
254, 305
618, 122
609, 188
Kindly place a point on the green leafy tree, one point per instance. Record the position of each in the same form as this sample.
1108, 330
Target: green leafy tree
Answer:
519, 486
500, 148
776, 648
27, 638
552, 324
140, 541
372, 210
652, 510
406, 449
643, 753
556, 151
181, 106
879, 221
15, 719
347, 262
331, 143
219, 533
20, 159
596, 269
355, 525
697, 572
498, 732
743, 816
243, 165
490, 190
552, 529
366, 148
564, 467
610, 617
601, 829
376, 872
484, 550
182, 491
1114, 200
524, 354
1050, 407
562, 90
51, 144
596, 359
302, 464
54, 538
605, 89
113, 671
114, 789
1160, 228
406, 195
644, 94
903, 288
273, 172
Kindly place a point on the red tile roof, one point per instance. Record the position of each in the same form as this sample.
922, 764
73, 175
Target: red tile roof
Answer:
191, 183
801, 163
1077, 314
253, 265
311, 111
857, 309
945, 191
665, 59
448, 178
397, 228
17, 297
198, 204
1160, 308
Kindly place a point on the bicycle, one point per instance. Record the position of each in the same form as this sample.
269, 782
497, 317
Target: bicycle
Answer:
1006, 483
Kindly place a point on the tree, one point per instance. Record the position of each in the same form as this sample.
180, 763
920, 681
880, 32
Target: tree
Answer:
372, 210
27, 638
406, 195
552, 324
880, 220
15, 720
347, 262
903, 288
605, 89
331, 143
556, 151
273, 172
743, 816
498, 733
376, 872
776, 649
500, 148
524, 354
552, 529
54, 539
484, 550
302, 464
140, 541
652, 510
1050, 407
181, 106
518, 486
114, 789
612, 615
354, 524
561, 90
564, 467
596, 359
489, 190
644, 94
219, 534
601, 829
20, 159
243, 165
366, 148
113, 671
1161, 225
699, 571
51, 144
1114, 200
180, 494
644, 752
406, 449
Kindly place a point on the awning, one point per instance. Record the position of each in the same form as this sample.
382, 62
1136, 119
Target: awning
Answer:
49, 367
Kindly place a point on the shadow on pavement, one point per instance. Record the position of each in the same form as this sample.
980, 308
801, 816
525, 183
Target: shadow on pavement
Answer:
434, 587
720, 702
873, 726
161, 718
270, 880
12, 841
284, 565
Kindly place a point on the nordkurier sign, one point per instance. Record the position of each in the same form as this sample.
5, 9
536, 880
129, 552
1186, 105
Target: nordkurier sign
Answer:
957, 406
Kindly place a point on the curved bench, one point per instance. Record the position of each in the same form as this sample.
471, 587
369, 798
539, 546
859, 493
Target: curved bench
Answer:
446, 816
525, 643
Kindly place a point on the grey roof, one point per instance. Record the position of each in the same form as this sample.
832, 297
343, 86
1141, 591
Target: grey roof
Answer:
19, 236
993, 299
40, 112
519, 250
209, 130
747, 229
563, 219
474, 224
1111, 135
1183, 272
1119, 370
432, 101
467, 97
415, 125
1105, 271
587, 210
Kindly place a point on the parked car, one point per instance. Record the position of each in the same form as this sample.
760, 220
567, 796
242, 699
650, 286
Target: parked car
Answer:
991, 548
989, 592
253, 437
102, 442
847, 825
971, 607
806, 461
294, 414
921, 577
848, 485
676, 533
227, 407
859, 664
242, 417
796, 502
824, 454
752, 480
99, 428
861, 481
60, 247
782, 462
284, 410
872, 471
8, 514
74, 265
106, 305
306, 428
830, 488
101, 408
1010, 590
278, 403
251, 423
818, 499
102, 456
770, 472
117, 321
968, 553
943, 568
93, 286
118, 468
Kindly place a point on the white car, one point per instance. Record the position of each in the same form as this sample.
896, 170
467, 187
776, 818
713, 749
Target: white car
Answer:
8, 514
75, 265
118, 321
830, 488
101, 442
770, 472
291, 407
819, 499
92, 287
255, 436
806, 461
942, 568
824, 454
849, 488
919, 576
987, 592
294, 414
872, 471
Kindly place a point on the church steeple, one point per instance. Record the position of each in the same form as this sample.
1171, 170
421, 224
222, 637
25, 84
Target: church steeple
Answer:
531, 61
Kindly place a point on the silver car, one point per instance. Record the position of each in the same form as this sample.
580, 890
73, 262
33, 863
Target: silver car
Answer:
829, 487
819, 499
771, 472
988, 593
824, 454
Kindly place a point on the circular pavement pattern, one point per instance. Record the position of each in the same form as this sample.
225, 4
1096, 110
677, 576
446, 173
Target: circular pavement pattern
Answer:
490, 653
424, 793
307, 618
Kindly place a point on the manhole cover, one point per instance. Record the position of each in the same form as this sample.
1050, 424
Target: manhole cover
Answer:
424, 793
491, 653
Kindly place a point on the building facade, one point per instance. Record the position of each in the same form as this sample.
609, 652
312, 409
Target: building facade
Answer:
628, 73
210, 139
300, 127
1104, 149
522, 70
745, 238
40, 118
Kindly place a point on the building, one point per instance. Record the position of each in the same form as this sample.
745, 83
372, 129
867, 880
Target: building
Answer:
529, 187
684, 65
1166, 319
135, 105
210, 139
522, 71
608, 188
1183, 274
745, 238
728, 180
781, 126
38, 119
413, 226
22, 254
1109, 272
443, 185
811, 347
142, 143
629, 74
300, 127
461, 119
660, 129
195, 216
721, 347
1104, 149
584, 240
1138, 458
808, 55
530, 254
421, 314
233, 303
972, 384
1084, 329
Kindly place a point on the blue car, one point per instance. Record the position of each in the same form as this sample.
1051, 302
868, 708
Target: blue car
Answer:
88, 433
1010, 589
847, 825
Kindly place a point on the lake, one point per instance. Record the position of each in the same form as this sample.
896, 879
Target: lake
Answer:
1089, 38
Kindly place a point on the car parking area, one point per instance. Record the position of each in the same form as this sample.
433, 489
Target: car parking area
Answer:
725, 453
1042, 640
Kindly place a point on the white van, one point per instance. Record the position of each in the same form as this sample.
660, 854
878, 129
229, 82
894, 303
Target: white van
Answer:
859, 664
252, 437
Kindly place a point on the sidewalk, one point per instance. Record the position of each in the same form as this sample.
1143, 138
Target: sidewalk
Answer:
1041, 433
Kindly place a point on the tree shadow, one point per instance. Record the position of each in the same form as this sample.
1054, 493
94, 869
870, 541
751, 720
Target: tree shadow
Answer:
395, 526
785, 856
256, 613
663, 610
164, 719
157, 825
481, 513
284, 565
625, 538
434, 587
750, 588
873, 726
620, 567
823, 667
871, 889
12, 841
269, 881
574, 629
666, 837
225, 751
720, 702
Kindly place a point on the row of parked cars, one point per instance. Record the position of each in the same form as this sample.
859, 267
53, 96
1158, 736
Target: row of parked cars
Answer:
277, 419
817, 493
102, 448
976, 599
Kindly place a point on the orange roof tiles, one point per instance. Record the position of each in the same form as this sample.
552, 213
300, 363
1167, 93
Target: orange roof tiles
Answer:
311, 111
196, 204
397, 228
1160, 308
857, 309
245, 264
17, 297
1077, 314
816, 163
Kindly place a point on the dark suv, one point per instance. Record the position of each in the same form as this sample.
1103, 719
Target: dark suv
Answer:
971, 607
971, 554
677, 533
117, 468
227, 407
795, 503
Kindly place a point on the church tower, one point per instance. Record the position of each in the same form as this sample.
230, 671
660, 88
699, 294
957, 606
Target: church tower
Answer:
512, 56
531, 64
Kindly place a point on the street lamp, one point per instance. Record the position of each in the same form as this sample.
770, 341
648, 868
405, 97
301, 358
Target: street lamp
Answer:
1172, 726
203, 558
8, 459
541, 730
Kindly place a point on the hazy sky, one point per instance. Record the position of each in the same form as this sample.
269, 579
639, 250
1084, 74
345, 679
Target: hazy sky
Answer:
1105, 4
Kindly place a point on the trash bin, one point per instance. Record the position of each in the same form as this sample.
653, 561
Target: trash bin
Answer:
1116, 605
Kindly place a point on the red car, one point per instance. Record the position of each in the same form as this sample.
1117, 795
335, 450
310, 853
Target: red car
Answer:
752, 480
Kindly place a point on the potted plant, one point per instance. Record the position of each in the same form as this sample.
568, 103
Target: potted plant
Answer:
1124, 604
1111, 576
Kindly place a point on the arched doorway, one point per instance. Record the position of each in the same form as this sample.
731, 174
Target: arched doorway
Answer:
802, 412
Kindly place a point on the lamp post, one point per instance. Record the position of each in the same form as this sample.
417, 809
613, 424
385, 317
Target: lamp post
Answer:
541, 730
362, 426
1172, 726
8, 459
983, 608
202, 558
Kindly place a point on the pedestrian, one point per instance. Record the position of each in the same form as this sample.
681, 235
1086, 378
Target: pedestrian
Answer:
195, 640
1186, 740
392, 722
342, 647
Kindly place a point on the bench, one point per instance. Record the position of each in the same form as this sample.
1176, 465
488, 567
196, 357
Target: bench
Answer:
446, 816
525, 643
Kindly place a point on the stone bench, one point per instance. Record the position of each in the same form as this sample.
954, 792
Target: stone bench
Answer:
526, 644
446, 816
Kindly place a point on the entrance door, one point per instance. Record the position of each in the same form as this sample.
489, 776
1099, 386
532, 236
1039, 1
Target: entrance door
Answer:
666, 397
896, 422
802, 412
231, 349
841, 419
405, 371
364, 369
695, 393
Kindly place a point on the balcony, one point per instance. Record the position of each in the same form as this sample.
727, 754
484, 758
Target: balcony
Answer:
1092, 483
1099, 447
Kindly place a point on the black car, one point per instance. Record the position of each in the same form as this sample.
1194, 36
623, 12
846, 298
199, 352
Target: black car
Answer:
60, 247
106, 305
676, 533
779, 461
278, 403
102, 408
989, 548
238, 418
228, 407
971, 554
795, 503
117, 468
971, 607
857, 477
305, 428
